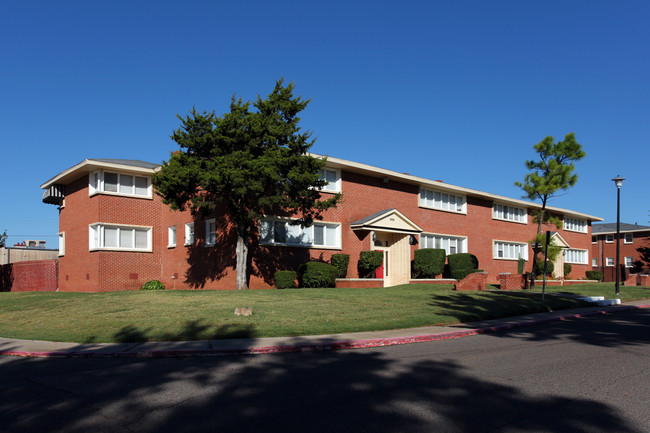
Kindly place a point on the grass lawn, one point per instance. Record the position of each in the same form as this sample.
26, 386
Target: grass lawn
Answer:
203, 315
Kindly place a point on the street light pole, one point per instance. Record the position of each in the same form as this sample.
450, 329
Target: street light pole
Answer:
618, 180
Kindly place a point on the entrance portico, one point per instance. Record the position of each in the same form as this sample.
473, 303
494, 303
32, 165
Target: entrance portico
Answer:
391, 233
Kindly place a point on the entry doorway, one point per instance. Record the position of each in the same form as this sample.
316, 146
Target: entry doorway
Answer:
397, 256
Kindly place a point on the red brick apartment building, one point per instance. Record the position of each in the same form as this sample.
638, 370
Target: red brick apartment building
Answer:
116, 234
603, 247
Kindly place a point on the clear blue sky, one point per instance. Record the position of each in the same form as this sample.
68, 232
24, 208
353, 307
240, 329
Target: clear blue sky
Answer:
458, 91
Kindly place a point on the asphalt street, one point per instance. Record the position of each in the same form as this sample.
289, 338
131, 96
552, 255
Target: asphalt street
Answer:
581, 375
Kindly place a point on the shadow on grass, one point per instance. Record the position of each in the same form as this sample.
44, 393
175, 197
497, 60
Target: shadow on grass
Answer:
349, 391
192, 330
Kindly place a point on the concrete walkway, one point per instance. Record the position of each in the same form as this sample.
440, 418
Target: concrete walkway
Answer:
34, 348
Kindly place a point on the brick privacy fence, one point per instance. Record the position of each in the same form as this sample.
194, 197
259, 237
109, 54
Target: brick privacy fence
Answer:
36, 275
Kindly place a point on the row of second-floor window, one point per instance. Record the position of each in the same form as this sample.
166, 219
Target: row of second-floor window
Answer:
575, 225
107, 182
442, 201
628, 238
509, 213
611, 261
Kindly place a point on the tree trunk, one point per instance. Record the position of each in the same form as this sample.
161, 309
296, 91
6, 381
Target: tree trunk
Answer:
536, 247
242, 257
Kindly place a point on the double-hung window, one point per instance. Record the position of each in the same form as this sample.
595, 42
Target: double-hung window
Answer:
119, 237
210, 232
629, 262
171, 236
575, 225
280, 231
609, 261
609, 239
333, 178
451, 244
509, 213
579, 257
189, 234
108, 182
442, 200
628, 238
510, 250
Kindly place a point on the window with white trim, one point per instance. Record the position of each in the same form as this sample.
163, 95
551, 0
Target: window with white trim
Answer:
594, 262
594, 240
609, 261
575, 225
171, 236
210, 232
62, 244
579, 257
509, 213
119, 237
510, 250
189, 234
451, 244
277, 231
120, 184
442, 200
333, 178
609, 239
629, 238
629, 262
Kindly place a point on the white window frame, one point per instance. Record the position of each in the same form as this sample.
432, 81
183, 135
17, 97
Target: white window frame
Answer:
576, 256
575, 225
189, 234
210, 235
61, 244
594, 239
171, 236
609, 261
518, 249
625, 237
97, 184
594, 262
333, 187
629, 262
505, 212
442, 200
97, 239
607, 239
308, 233
443, 241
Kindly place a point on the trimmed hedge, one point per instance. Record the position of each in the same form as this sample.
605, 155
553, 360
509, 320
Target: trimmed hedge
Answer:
462, 261
594, 275
285, 279
459, 274
369, 262
317, 274
567, 270
429, 262
340, 262
539, 267
153, 285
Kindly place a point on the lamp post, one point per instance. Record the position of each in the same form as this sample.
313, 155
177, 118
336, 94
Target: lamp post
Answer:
618, 181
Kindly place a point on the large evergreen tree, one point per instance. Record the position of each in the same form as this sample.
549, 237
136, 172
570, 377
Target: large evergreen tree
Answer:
248, 162
553, 171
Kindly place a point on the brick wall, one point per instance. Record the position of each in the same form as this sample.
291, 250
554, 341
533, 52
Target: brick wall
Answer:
474, 281
36, 275
601, 250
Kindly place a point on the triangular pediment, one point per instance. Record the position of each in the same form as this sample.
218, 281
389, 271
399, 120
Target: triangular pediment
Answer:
390, 220
559, 241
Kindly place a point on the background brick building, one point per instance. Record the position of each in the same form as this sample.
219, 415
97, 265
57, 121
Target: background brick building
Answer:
603, 247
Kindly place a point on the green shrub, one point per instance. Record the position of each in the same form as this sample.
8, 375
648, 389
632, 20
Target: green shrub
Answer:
462, 261
428, 262
285, 279
369, 262
594, 275
153, 285
567, 270
539, 267
520, 265
459, 274
317, 274
340, 262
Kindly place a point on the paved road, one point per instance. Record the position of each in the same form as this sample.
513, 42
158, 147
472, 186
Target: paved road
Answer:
583, 375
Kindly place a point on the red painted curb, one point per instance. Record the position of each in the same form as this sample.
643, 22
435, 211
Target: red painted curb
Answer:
313, 347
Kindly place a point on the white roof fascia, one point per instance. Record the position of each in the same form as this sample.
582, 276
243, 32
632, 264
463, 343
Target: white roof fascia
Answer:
88, 165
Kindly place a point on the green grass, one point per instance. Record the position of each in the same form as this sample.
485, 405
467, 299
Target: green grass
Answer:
201, 315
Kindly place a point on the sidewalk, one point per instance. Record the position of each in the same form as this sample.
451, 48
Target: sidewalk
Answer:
47, 349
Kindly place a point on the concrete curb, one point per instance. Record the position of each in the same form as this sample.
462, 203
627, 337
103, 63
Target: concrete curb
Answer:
306, 347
